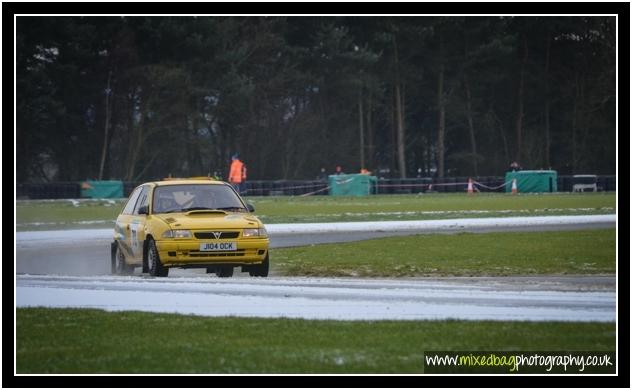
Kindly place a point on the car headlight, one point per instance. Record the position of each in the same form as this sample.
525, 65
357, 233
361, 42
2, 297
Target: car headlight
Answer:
177, 234
260, 232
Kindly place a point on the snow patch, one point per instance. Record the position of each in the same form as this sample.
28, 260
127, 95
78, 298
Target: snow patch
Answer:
427, 226
316, 298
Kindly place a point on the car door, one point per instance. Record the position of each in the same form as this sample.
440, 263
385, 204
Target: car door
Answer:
137, 225
123, 223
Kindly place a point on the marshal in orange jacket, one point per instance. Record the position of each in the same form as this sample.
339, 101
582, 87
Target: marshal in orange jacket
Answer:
237, 172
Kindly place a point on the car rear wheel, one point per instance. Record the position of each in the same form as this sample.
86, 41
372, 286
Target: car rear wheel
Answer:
120, 267
261, 269
224, 272
154, 265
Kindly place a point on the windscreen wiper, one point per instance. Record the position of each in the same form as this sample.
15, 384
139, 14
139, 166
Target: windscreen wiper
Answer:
231, 208
198, 208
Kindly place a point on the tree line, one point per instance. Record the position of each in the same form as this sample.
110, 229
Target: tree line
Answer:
139, 98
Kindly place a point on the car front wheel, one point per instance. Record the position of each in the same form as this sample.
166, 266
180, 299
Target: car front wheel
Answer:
154, 265
224, 272
261, 269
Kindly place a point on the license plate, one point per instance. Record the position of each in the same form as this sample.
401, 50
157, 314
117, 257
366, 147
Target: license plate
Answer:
218, 246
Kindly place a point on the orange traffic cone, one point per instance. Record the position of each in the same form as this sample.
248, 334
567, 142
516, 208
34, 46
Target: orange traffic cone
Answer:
470, 187
514, 187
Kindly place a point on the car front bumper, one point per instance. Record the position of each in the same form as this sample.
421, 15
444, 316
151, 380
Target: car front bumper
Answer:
187, 252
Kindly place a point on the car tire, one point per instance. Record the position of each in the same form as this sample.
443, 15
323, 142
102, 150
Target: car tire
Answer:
154, 265
262, 269
120, 267
224, 272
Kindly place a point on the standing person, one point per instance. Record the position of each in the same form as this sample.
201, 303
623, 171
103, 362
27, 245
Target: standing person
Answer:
237, 175
514, 166
322, 175
339, 170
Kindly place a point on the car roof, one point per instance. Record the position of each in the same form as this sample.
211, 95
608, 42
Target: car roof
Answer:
187, 181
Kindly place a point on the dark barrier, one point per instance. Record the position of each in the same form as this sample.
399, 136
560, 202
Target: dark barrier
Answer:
607, 183
604, 183
72, 190
285, 187
128, 187
382, 190
447, 184
59, 190
564, 184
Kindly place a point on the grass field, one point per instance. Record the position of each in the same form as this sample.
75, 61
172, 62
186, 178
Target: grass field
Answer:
66, 214
428, 206
93, 341
464, 254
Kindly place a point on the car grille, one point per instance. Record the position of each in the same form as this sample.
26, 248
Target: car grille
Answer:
211, 235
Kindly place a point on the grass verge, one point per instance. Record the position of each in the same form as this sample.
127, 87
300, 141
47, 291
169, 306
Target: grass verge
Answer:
94, 341
464, 254
67, 214
428, 206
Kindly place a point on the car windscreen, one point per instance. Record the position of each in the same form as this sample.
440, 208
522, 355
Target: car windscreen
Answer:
187, 197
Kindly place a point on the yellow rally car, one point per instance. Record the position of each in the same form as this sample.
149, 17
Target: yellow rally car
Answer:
189, 224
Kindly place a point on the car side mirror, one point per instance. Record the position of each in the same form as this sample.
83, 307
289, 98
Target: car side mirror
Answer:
143, 210
250, 207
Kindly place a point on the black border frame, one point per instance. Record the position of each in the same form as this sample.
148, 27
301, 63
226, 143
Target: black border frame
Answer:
621, 9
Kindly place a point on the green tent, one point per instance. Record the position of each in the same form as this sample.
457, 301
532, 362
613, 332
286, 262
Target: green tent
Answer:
354, 185
102, 189
532, 181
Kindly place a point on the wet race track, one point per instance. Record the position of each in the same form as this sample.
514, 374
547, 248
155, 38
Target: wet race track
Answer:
71, 269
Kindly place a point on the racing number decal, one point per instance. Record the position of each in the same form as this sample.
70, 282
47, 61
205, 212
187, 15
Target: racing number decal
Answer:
133, 227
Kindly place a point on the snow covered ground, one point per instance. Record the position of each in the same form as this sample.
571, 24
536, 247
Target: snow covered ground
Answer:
437, 225
498, 299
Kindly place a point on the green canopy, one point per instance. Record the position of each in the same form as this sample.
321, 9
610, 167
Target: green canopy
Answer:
102, 189
354, 184
532, 181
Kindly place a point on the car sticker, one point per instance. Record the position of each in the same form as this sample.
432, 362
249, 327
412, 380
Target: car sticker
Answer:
133, 227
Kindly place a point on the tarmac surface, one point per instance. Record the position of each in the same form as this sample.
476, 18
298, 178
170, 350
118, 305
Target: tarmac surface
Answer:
86, 252
71, 269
